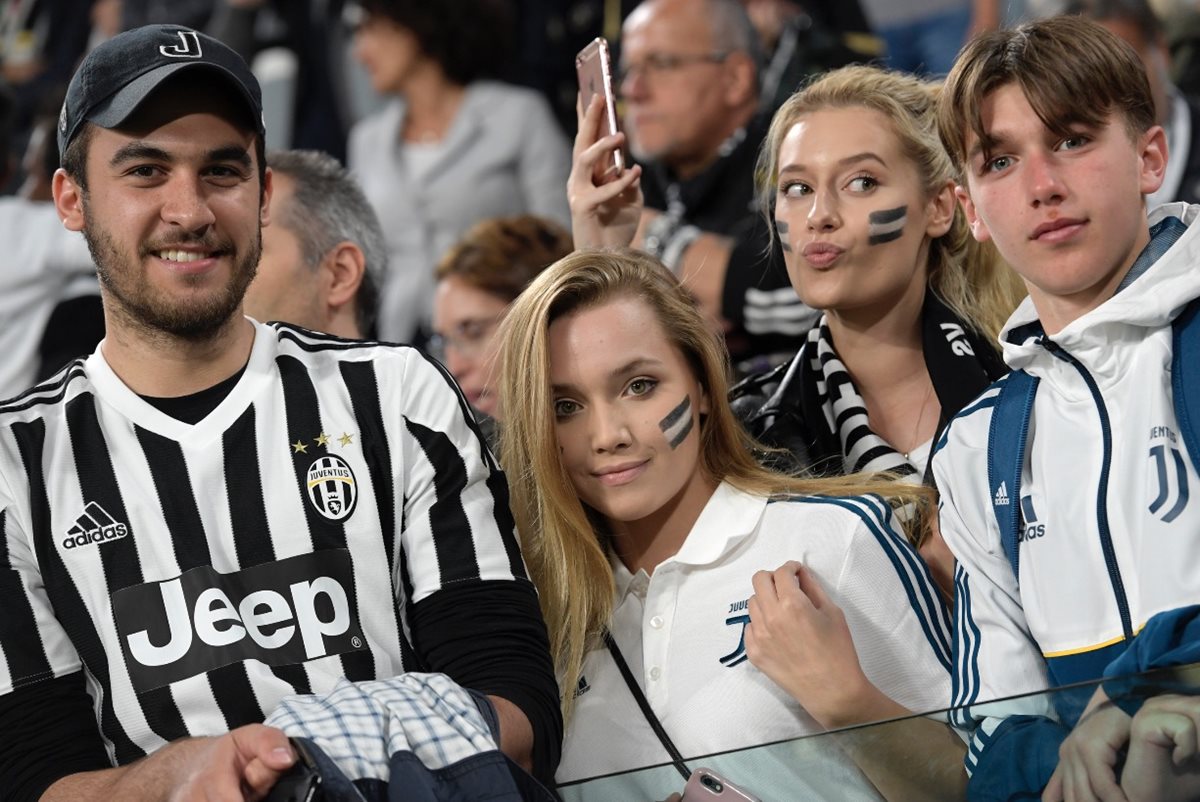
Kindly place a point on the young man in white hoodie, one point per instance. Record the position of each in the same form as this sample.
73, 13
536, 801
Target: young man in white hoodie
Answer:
1052, 126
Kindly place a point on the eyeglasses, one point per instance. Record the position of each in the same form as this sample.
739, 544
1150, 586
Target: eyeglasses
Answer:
468, 337
658, 63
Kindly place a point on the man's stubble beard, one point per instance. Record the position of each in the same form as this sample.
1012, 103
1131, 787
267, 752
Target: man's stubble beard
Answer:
152, 311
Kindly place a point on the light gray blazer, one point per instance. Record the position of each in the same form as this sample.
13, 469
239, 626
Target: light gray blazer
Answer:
503, 155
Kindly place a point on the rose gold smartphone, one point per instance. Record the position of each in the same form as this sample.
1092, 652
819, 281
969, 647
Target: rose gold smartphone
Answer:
705, 785
594, 67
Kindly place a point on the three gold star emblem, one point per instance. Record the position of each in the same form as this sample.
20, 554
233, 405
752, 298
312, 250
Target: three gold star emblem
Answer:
322, 440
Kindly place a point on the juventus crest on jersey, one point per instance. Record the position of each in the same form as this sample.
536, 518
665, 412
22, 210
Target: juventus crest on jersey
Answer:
198, 573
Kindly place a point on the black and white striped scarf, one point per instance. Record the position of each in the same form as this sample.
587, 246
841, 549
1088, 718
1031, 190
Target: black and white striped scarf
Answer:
961, 364
846, 412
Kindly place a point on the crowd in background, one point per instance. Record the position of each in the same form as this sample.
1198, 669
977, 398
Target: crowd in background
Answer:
446, 124
437, 181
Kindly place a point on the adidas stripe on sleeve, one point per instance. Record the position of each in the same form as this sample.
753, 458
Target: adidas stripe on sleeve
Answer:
995, 656
886, 587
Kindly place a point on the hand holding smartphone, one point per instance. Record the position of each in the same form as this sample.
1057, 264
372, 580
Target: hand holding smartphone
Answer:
705, 785
593, 65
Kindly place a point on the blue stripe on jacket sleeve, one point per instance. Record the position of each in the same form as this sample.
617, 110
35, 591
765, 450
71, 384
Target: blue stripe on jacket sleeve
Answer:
966, 654
1015, 760
917, 565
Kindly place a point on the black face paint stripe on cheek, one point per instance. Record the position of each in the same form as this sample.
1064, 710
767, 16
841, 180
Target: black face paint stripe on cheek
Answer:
886, 225
782, 227
678, 423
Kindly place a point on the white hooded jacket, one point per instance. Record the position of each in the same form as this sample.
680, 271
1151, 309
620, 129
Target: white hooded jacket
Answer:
1109, 496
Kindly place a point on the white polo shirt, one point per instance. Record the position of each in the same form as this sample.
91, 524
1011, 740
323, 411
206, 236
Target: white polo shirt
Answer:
681, 632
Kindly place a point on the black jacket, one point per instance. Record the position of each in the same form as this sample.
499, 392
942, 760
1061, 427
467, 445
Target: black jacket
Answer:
781, 409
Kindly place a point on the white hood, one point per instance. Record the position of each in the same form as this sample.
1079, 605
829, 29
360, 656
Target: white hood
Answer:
1152, 301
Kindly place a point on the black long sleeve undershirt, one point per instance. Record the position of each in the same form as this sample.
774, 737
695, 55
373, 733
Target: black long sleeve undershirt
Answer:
49, 732
489, 636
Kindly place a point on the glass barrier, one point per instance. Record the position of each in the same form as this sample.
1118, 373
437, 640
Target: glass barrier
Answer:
908, 756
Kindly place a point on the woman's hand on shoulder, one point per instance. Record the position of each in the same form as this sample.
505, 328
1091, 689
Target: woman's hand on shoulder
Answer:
606, 206
799, 638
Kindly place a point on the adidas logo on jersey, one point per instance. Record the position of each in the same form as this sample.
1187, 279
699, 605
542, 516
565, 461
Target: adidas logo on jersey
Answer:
1001, 497
281, 613
94, 526
1031, 528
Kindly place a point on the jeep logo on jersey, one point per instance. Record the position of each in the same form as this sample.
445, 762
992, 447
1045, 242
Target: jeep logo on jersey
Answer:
331, 487
279, 613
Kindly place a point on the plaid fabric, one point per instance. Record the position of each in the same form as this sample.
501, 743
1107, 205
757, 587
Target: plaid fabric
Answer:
361, 725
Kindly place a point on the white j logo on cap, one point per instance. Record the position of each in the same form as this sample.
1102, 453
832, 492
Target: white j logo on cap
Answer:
189, 49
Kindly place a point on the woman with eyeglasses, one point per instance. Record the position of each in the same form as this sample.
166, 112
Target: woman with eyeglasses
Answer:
476, 281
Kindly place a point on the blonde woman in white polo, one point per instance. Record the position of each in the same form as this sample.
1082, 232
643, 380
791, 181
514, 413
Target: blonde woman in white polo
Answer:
646, 516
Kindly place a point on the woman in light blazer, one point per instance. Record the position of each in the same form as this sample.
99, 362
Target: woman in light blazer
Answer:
452, 148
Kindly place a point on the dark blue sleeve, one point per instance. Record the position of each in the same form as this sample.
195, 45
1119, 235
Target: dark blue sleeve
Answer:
1016, 761
489, 636
1169, 639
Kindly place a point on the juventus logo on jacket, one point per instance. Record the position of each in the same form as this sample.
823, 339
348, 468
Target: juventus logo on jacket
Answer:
1171, 494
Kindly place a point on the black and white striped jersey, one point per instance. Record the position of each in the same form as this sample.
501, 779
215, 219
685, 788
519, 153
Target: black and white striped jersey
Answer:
198, 573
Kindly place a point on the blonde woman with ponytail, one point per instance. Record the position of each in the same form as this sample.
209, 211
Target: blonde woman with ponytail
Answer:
646, 516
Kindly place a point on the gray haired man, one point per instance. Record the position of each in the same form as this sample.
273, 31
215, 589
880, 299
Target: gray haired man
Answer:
323, 252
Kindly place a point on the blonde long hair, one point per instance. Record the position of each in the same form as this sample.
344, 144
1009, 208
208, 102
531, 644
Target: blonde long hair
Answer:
969, 276
567, 556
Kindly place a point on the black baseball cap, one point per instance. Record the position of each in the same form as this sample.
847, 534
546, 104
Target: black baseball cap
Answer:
120, 73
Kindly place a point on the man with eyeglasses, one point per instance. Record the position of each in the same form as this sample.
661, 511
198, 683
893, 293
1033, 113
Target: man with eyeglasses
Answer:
689, 79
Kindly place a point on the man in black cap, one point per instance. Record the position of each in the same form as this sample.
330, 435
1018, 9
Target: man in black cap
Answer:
207, 514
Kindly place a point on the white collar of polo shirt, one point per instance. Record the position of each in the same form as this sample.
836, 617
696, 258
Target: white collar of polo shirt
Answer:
729, 517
